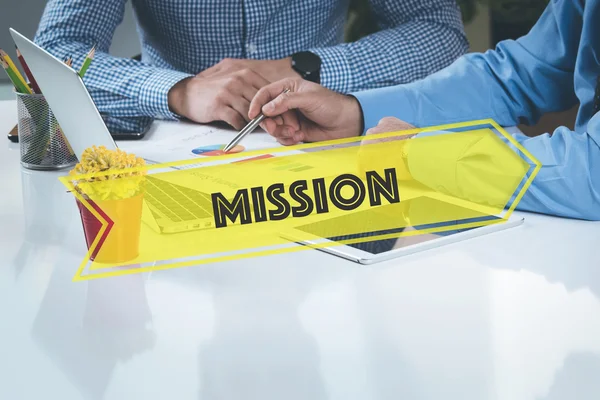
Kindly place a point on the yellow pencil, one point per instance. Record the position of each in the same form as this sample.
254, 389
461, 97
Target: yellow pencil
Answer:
19, 87
14, 69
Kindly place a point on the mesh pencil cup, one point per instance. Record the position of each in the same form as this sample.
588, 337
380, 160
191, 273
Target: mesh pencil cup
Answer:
42, 142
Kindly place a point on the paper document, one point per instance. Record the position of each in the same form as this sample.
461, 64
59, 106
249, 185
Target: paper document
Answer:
177, 141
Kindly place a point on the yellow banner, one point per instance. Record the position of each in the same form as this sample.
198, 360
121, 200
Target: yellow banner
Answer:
264, 202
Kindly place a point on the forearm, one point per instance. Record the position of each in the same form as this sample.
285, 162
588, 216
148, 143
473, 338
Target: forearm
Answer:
515, 83
568, 183
461, 92
121, 87
472, 167
417, 38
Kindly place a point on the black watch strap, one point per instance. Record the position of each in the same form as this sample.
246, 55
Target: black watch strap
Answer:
308, 65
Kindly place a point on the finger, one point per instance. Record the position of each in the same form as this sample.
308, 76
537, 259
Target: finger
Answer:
297, 137
373, 131
386, 126
284, 132
382, 127
240, 105
248, 91
268, 125
268, 93
285, 102
394, 124
398, 135
389, 121
287, 141
232, 117
251, 82
238, 91
290, 118
288, 135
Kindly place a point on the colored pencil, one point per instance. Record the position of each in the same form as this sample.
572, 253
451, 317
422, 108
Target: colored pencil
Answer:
15, 71
87, 61
4, 65
34, 84
18, 84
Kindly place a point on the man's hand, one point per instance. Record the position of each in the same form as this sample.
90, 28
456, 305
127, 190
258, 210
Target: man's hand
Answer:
390, 124
271, 70
374, 154
227, 97
308, 113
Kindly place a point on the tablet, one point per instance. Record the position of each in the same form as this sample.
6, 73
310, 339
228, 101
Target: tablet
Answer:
406, 238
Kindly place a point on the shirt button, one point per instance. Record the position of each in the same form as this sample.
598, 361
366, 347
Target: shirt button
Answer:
251, 48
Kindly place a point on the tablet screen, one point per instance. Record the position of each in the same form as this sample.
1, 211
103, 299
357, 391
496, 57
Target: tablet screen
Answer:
399, 214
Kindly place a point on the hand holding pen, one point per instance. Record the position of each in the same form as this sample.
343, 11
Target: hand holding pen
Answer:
307, 113
252, 125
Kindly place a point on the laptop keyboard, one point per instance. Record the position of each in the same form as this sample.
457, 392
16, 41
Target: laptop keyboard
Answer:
178, 203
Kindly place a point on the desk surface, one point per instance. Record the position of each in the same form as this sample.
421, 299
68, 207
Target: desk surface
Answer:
513, 315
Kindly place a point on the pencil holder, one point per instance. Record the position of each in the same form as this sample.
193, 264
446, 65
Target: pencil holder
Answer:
42, 142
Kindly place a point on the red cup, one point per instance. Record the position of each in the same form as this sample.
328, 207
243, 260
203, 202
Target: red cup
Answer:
120, 241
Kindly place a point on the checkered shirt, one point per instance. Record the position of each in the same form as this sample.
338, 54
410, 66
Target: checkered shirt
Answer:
180, 38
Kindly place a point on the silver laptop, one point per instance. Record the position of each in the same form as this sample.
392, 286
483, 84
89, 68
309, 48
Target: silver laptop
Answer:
175, 208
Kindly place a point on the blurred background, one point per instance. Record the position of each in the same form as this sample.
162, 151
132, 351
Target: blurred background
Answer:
486, 22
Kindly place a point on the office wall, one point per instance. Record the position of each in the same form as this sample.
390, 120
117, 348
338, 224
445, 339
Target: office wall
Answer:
478, 30
24, 16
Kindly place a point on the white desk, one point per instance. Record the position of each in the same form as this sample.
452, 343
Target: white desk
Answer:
514, 315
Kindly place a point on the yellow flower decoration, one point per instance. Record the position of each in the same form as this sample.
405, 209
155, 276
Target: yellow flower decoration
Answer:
113, 186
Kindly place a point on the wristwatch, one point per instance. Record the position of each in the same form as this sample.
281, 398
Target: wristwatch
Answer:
308, 65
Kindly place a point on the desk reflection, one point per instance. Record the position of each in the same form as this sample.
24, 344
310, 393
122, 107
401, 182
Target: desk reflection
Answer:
578, 379
260, 348
47, 205
49, 211
88, 328
521, 251
498, 330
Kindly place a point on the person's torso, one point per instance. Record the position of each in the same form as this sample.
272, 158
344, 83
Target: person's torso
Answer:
191, 35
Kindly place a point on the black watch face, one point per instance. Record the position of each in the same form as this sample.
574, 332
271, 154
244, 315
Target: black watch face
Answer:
308, 65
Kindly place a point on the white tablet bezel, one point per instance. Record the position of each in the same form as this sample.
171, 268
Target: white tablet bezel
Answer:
362, 257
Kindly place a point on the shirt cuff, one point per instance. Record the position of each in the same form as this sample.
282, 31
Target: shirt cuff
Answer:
153, 99
385, 102
335, 72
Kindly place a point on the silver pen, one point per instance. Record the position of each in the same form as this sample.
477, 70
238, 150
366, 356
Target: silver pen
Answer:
252, 125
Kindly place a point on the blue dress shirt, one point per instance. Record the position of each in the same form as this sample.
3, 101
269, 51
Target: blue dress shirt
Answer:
550, 69
181, 38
